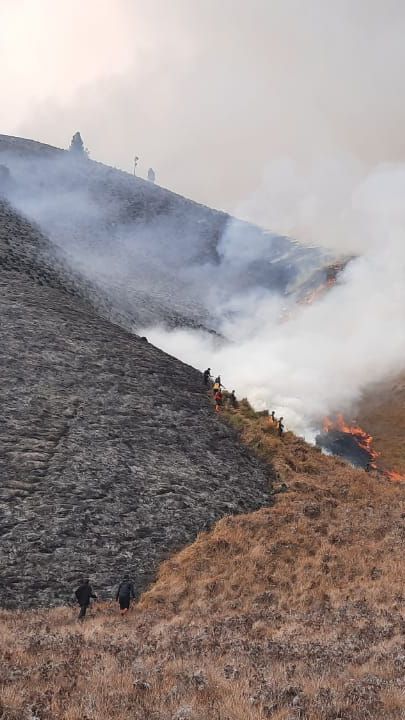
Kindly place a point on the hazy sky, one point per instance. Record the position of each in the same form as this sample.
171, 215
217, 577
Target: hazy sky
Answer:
214, 94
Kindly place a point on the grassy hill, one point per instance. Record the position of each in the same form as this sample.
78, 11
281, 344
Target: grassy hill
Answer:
294, 611
382, 413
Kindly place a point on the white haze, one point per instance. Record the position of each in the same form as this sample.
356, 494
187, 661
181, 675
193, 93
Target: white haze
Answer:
285, 112
208, 93
304, 361
324, 355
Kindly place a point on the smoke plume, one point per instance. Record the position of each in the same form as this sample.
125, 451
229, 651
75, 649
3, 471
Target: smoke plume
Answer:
285, 113
208, 93
318, 358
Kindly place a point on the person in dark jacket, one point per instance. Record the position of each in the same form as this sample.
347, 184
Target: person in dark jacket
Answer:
83, 595
125, 593
206, 376
280, 426
232, 399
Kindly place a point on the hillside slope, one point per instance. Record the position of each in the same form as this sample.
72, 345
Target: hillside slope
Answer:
26, 251
160, 257
382, 413
292, 612
110, 454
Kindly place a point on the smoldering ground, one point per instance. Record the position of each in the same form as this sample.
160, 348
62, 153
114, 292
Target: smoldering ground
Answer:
118, 230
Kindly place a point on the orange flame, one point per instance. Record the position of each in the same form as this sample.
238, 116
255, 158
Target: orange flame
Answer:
318, 292
396, 477
364, 441
363, 438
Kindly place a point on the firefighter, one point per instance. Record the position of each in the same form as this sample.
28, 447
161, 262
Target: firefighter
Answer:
217, 384
232, 399
83, 594
207, 376
125, 594
218, 397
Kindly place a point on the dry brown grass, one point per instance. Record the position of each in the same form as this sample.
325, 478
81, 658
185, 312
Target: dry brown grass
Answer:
296, 611
382, 414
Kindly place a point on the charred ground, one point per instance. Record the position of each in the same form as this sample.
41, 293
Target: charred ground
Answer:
156, 254
110, 455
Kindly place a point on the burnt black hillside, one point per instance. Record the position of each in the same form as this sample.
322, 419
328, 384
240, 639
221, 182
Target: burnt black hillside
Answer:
159, 257
110, 454
111, 457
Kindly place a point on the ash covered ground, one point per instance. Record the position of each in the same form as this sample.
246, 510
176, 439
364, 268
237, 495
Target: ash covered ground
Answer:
159, 257
110, 455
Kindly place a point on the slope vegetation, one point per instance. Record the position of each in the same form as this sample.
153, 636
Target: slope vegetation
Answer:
295, 611
110, 456
382, 413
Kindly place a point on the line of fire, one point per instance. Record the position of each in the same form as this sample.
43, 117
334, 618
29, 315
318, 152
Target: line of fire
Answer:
350, 441
339, 437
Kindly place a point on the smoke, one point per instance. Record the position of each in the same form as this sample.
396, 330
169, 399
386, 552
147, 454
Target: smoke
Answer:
318, 358
155, 255
132, 237
118, 232
285, 113
209, 94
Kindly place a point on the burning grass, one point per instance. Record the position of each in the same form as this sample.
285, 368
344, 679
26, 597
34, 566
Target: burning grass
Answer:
363, 439
295, 611
355, 444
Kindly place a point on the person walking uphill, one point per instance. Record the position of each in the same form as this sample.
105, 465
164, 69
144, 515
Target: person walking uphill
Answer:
83, 594
217, 385
124, 595
233, 401
206, 376
218, 397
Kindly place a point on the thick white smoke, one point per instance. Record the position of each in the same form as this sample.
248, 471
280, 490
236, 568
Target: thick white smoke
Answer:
297, 100
304, 361
316, 358
207, 92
